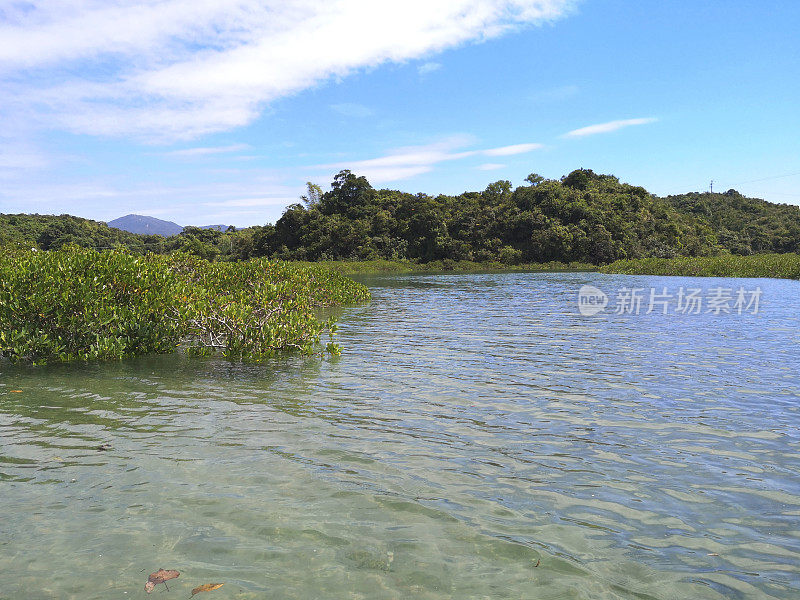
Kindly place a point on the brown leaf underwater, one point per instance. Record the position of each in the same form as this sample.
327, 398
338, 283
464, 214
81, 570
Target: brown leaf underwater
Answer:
207, 587
160, 576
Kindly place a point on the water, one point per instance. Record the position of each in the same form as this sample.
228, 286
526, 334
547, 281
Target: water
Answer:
475, 426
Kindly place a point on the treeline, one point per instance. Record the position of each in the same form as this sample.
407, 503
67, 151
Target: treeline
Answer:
49, 232
784, 266
583, 217
744, 226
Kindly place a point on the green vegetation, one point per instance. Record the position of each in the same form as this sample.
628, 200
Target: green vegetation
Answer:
744, 225
47, 232
374, 267
79, 304
786, 266
584, 217
72, 288
581, 218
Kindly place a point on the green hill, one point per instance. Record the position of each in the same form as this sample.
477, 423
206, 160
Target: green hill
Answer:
50, 232
744, 225
582, 217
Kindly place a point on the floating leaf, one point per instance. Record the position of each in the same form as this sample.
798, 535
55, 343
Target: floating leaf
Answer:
160, 576
207, 587
15, 391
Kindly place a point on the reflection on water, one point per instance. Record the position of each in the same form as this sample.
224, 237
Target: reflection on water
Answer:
474, 426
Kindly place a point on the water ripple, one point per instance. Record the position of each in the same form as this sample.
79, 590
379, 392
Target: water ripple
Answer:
476, 426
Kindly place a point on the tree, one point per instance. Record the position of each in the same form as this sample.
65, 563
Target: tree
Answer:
349, 195
534, 179
579, 179
313, 195
498, 191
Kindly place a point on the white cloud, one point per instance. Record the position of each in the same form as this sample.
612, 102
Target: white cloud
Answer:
608, 127
428, 67
406, 162
349, 109
260, 201
380, 174
510, 150
171, 69
490, 166
410, 161
184, 203
189, 152
14, 160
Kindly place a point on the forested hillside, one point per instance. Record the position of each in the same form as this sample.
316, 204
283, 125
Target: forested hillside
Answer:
582, 217
744, 225
48, 232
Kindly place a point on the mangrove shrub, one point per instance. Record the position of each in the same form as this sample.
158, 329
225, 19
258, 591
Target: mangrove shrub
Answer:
79, 304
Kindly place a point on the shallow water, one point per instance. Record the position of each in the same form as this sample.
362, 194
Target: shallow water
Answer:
474, 427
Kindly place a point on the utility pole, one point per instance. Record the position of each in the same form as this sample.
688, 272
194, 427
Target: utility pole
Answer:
712, 186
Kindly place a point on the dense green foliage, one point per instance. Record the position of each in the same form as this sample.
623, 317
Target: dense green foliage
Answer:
47, 232
84, 304
583, 217
786, 266
744, 225
374, 267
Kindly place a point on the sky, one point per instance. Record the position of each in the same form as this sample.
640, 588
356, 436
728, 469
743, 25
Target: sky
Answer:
218, 111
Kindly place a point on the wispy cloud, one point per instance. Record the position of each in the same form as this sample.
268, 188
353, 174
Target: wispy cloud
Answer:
490, 166
410, 161
190, 152
510, 150
22, 160
242, 195
608, 127
258, 201
428, 67
173, 69
350, 109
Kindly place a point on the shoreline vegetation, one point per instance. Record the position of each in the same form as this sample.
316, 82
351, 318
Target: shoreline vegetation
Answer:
583, 217
81, 304
75, 289
779, 266
400, 267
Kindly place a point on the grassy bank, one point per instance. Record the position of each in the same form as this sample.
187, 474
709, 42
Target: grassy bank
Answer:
376, 267
79, 304
784, 266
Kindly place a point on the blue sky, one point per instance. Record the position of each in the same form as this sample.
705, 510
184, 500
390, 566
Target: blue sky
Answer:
212, 111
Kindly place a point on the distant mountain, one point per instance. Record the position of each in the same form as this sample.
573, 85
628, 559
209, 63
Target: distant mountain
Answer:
152, 226
146, 225
217, 227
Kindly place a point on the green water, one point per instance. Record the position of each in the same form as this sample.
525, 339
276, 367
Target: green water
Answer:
474, 427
